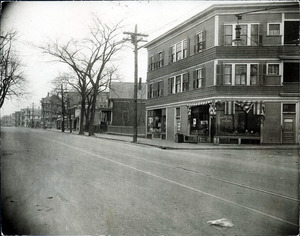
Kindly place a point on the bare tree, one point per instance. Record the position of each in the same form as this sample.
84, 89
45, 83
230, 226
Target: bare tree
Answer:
13, 81
105, 43
89, 59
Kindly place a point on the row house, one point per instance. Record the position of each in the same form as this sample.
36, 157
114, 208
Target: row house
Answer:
229, 74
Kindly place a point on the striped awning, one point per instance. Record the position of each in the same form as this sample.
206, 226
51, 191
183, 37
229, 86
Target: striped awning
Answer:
193, 104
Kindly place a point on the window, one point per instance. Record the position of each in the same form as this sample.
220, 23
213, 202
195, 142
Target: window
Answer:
289, 108
160, 59
291, 72
178, 51
160, 89
178, 84
177, 112
200, 39
151, 63
171, 85
244, 38
198, 81
227, 74
249, 34
228, 34
253, 74
185, 83
150, 93
240, 74
254, 35
273, 69
273, 29
291, 32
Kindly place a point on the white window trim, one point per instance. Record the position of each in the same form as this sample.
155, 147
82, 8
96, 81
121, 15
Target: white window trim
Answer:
200, 68
181, 83
182, 44
248, 73
275, 23
202, 40
248, 32
280, 70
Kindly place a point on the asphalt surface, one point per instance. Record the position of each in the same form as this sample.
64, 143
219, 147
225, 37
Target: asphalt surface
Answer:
60, 184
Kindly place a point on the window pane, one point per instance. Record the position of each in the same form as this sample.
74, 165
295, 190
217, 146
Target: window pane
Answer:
227, 74
178, 84
244, 34
289, 108
273, 69
274, 29
254, 35
240, 74
253, 74
228, 34
178, 51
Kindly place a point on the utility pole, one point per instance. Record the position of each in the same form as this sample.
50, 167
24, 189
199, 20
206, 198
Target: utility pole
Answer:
32, 118
62, 109
134, 40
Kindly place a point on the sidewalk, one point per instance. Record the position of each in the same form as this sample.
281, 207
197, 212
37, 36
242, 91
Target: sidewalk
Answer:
165, 144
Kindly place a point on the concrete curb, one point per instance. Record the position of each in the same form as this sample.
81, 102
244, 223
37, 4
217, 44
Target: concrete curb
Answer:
213, 147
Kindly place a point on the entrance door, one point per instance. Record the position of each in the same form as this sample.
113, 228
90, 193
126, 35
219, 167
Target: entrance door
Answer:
288, 129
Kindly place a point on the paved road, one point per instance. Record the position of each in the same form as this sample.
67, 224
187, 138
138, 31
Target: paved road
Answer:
55, 183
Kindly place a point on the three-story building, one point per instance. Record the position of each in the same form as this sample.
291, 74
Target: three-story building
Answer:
229, 74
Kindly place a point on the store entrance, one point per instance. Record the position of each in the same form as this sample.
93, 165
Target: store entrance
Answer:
200, 123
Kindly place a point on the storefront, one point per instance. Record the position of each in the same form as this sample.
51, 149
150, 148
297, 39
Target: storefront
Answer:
226, 122
156, 123
239, 122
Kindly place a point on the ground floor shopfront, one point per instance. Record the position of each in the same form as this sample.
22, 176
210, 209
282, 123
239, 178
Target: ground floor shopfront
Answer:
232, 121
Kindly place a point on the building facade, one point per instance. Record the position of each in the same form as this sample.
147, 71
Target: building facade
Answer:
229, 74
121, 105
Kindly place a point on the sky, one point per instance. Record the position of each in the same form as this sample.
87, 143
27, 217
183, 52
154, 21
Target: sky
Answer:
38, 22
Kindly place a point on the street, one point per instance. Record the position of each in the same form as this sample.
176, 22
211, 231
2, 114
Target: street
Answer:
65, 184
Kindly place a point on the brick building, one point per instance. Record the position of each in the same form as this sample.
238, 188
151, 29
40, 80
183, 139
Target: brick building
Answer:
229, 74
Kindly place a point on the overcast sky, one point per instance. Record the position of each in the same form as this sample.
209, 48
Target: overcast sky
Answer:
37, 22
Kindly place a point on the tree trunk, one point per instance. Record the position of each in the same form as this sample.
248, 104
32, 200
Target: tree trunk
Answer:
92, 117
82, 110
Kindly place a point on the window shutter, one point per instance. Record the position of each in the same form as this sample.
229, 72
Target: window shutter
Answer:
155, 87
149, 64
195, 44
170, 55
194, 79
220, 73
260, 35
169, 86
185, 82
204, 39
221, 35
188, 47
163, 58
262, 73
204, 77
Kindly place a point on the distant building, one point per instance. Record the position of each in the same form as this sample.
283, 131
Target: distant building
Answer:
50, 109
229, 74
122, 108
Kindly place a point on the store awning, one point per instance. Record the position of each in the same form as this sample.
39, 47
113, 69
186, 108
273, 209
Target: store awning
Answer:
193, 104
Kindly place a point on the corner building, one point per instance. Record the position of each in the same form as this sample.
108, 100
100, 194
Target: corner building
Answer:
229, 74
